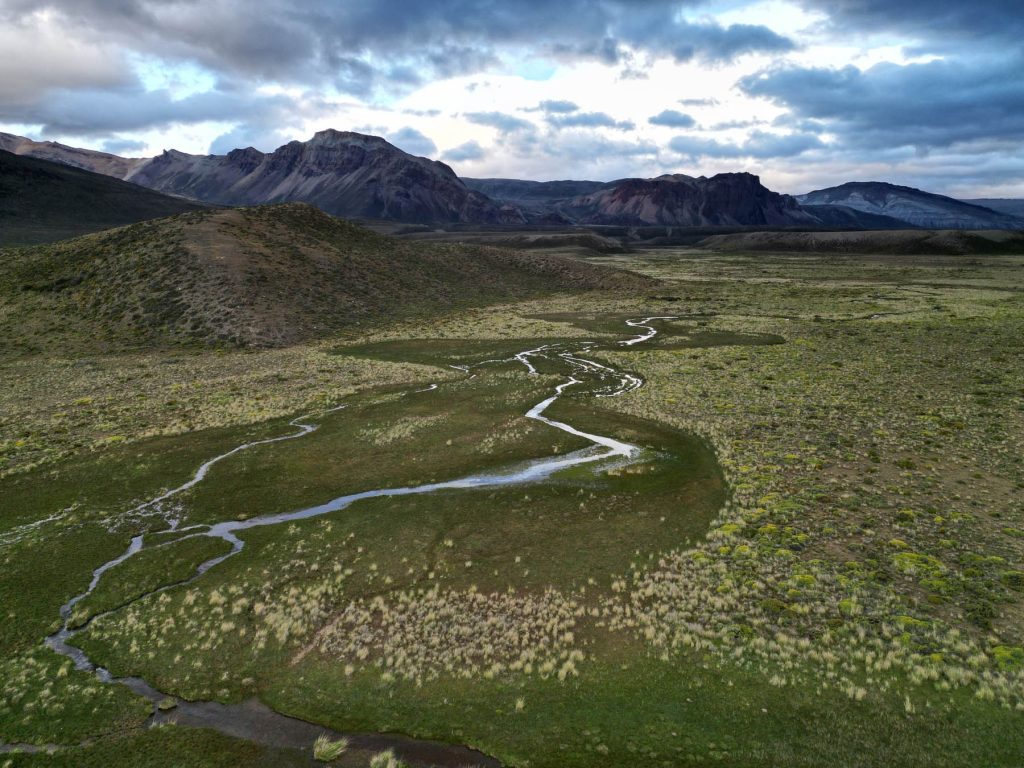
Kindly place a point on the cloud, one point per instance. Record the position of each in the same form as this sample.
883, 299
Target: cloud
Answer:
935, 104
554, 106
940, 24
673, 119
361, 45
104, 112
728, 125
759, 145
124, 147
412, 141
699, 102
39, 57
599, 151
589, 120
503, 122
469, 151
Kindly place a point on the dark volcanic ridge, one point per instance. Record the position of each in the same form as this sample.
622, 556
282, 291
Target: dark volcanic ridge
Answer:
268, 276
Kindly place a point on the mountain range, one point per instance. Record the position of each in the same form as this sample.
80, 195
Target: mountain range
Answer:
354, 175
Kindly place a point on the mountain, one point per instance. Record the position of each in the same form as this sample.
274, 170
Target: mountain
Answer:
87, 159
43, 201
726, 199
540, 201
263, 276
525, 192
342, 173
912, 206
924, 242
1005, 205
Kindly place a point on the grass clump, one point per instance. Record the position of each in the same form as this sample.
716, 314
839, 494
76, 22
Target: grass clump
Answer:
326, 749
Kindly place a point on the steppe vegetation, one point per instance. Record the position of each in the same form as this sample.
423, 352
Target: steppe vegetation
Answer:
817, 560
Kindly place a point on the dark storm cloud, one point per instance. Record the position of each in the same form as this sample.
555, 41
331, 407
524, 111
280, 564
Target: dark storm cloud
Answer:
673, 119
760, 145
414, 142
503, 122
936, 104
361, 44
940, 24
589, 120
97, 113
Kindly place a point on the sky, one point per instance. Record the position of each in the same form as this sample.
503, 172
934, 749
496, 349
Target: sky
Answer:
805, 93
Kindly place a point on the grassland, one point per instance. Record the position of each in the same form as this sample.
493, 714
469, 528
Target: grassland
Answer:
819, 561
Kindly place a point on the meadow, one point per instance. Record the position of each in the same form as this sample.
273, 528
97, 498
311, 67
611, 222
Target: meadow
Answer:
817, 559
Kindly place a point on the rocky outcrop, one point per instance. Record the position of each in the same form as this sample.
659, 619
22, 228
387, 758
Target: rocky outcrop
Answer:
911, 206
343, 173
727, 199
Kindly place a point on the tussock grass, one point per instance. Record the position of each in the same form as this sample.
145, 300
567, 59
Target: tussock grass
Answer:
327, 750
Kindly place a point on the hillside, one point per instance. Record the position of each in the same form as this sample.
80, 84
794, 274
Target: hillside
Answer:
1008, 205
912, 206
42, 201
264, 276
933, 242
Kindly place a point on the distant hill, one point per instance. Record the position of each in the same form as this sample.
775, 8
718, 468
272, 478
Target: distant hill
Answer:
930, 242
726, 199
43, 201
917, 208
1005, 205
87, 159
264, 276
540, 201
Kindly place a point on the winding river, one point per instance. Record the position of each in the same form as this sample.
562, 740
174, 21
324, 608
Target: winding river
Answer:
253, 720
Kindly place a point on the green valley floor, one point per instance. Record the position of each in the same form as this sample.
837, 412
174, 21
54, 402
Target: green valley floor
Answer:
815, 557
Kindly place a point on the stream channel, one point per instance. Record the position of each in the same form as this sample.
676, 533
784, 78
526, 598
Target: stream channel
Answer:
253, 720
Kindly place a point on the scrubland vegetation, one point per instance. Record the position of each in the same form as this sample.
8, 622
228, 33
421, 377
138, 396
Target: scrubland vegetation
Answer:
818, 560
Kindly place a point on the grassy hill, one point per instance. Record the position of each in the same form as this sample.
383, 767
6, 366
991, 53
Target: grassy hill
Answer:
262, 276
43, 201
